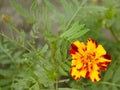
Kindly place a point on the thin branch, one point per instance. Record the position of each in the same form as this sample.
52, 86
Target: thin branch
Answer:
74, 15
115, 37
108, 83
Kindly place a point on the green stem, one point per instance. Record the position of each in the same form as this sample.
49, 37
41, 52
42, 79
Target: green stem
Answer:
56, 85
108, 83
13, 78
31, 46
74, 15
36, 83
14, 28
115, 37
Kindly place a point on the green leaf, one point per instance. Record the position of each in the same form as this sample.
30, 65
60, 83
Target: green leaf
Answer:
44, 49
62, 71
64, 50
19, 8
66, 67
58, 55
79, 34
43, 76
74, 32
94, 9
21, 84
35, 86
35, 31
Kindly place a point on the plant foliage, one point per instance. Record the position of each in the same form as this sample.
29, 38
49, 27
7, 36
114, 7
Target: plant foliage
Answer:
43, 62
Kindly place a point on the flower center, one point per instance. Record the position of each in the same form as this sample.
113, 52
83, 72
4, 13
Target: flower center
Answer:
89, 60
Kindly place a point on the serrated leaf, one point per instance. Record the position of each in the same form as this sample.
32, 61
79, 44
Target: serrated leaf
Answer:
95, 8
64, 50
34, 32
34, 87
62, 71
75, 31
58, 55
42, 76
21, 84
79, 34
74, 28
66, 67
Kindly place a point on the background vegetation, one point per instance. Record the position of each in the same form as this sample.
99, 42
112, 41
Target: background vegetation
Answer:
38, 58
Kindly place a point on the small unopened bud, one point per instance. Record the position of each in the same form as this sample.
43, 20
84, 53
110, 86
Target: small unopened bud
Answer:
5, 18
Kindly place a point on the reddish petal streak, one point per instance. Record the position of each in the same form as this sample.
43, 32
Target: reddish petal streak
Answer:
103, 63
74, 66
79, 69
77, 78
72, 51
93, 41
107, 63
87, 74
74, 47
107, 56
99, 75
95, 80
70, 71
102, 68
74, 76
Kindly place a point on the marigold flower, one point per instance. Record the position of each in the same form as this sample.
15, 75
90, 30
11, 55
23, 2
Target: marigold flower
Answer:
88, 60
